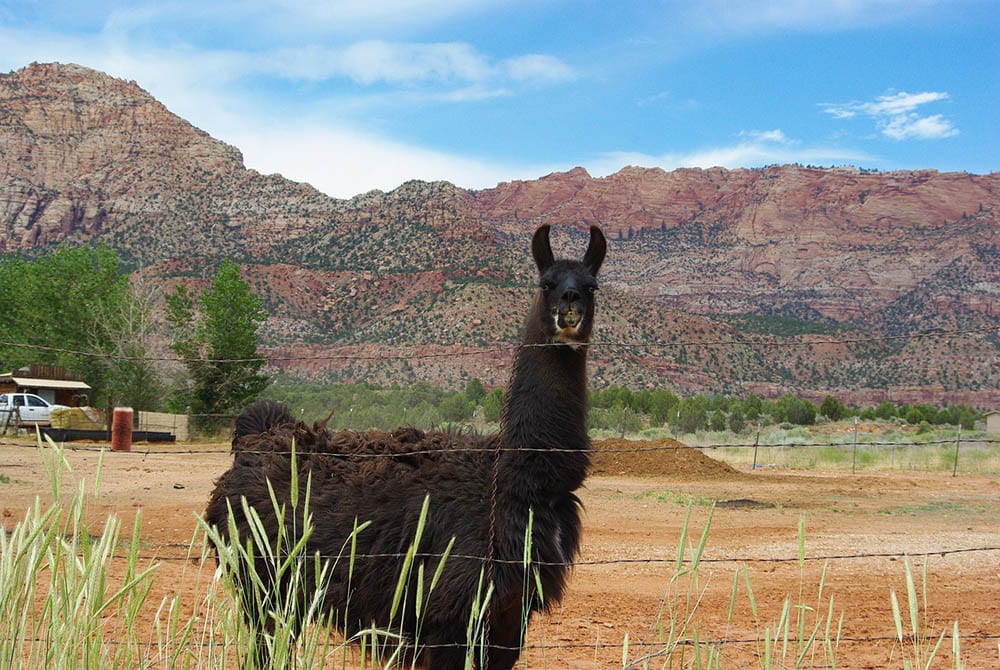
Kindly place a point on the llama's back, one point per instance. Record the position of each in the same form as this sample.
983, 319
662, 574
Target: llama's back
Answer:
260, 417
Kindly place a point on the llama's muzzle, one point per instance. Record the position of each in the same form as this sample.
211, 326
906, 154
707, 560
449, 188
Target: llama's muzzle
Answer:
567, 321
568, 317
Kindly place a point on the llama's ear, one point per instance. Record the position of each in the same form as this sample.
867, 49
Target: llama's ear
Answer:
595, 250
542, 250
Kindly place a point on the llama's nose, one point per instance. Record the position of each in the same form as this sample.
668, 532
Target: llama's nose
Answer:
570, 296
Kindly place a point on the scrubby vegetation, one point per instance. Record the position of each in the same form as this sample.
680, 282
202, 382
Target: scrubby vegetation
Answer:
615, 408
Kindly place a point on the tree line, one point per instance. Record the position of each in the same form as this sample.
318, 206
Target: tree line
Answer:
361, 406
78, 309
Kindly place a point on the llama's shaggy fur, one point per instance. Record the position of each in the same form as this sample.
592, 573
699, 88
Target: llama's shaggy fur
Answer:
536, 462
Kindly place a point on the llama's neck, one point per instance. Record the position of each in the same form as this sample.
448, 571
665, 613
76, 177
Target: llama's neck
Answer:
544, 426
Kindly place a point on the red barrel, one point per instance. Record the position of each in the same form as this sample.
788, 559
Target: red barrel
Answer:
121, 429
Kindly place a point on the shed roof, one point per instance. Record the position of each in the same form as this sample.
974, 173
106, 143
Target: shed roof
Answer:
35, 382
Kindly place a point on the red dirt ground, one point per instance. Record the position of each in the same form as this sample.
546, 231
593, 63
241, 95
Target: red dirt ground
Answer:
635, 506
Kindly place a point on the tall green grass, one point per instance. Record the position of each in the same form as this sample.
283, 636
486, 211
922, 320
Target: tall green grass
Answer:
77, 596
59, 601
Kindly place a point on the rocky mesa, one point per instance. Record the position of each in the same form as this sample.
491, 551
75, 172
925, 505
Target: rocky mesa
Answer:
780, 278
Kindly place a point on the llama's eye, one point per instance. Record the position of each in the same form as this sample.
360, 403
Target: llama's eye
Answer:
546, 286
590, 288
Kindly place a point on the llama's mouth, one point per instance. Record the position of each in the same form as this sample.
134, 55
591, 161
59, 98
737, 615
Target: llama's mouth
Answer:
568, 319
567, 324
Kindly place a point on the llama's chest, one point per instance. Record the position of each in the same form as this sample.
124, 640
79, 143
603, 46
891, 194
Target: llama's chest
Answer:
551, 528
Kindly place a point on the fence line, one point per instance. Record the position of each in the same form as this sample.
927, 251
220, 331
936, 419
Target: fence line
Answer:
151, 451
464, 350
153, 556
603, 646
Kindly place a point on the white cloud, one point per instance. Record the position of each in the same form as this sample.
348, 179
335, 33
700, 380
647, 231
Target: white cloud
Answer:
762, 136
377, 61
921, 128
744, 16
336, 14
345, 162
759, 148
538, 67
896, 115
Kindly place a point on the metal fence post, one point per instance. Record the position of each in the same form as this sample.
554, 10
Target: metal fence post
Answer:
756, 441
854, 459
958, 441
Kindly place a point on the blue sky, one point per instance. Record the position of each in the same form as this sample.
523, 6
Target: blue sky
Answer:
353, 95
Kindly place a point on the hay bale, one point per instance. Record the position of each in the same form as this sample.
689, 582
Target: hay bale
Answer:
77, 418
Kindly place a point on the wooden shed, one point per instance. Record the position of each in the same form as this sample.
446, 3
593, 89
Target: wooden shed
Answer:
51, 382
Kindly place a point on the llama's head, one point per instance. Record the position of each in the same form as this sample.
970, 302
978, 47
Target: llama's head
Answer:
564, 307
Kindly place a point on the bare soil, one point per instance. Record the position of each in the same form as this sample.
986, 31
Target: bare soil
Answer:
858, 529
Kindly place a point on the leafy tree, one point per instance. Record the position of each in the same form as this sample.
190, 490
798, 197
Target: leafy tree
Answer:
913, 416
474, 390
885, 410
125, 329
662, 407
752, 407
737, 422
75, 308
215, 336
493, 405
456, 407
718, 420
832, 408
691, 416
796, 410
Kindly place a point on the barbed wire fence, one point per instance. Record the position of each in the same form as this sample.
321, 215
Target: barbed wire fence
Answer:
178, 552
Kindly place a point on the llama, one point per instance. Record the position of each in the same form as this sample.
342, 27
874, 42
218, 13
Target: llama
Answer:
482, 491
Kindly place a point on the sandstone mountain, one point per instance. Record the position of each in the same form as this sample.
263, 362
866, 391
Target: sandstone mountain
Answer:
773, 279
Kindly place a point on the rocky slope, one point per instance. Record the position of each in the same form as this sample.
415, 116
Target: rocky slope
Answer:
727, 279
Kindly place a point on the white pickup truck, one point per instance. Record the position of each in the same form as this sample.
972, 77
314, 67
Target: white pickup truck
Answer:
26, 407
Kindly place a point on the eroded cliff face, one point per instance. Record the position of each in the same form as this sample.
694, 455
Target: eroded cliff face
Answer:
845, 242
763, 256
86, 157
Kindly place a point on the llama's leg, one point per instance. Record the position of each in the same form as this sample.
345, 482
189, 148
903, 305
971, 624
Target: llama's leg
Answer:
505, 638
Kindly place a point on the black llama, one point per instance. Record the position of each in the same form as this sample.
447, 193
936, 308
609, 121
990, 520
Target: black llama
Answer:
481, 492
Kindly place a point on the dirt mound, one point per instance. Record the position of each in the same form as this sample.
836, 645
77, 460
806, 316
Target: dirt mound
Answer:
657, 458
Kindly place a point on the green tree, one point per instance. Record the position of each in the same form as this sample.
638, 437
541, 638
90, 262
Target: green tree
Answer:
215, 336
493, 405
796, 410
691, 415
125, 329
752, 406
474, 390
718, 420
662, 407
885, 410
832, 408
737, 422
75, 308
456, 407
